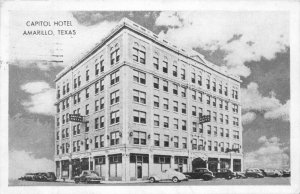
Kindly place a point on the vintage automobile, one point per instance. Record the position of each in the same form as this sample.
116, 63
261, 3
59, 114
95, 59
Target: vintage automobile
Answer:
51, 176
254, 172
224, 173
200, 173
272, 173
168, 175
240, 175
87, 176
286, 173
28, 177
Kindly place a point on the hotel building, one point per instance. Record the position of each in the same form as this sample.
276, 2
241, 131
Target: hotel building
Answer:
141, 98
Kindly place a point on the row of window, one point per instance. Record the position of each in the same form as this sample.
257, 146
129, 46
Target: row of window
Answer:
139, 138
139, 55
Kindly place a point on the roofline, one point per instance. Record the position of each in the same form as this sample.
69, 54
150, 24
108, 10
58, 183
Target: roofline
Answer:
125, 23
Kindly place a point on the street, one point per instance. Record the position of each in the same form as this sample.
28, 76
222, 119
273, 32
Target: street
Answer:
248, 181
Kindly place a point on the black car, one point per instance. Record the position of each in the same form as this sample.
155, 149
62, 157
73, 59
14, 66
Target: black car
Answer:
224, 173
28, 177
200, 173
256, 173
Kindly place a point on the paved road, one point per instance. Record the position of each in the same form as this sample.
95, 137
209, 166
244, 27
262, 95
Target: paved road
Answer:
248, 181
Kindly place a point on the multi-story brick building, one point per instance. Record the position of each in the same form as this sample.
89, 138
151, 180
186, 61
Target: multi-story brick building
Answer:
142, 98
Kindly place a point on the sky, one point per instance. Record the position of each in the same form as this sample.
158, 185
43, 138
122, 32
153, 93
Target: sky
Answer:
253, 45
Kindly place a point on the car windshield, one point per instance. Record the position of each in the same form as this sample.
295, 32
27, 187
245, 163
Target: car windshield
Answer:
94, 173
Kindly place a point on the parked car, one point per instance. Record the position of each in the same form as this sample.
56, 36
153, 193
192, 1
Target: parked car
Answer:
168, 175
240, 175
51, 176
286, 173
272, 173
224, 173
40, 176
88, 176
200, 173
256, 173
28, 177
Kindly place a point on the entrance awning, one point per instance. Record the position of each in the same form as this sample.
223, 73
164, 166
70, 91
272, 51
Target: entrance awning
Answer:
200, 155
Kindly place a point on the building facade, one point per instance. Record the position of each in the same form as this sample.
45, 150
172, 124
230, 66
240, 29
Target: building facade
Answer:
141, 98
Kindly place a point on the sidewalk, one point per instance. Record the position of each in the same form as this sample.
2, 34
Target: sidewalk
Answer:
106, 182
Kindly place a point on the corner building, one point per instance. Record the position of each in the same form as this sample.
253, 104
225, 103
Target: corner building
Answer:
142, 97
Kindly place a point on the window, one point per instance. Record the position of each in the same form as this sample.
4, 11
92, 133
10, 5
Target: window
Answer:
87, 126
193, 94
156, 120
114, 97
208, 130
96, 123
184, 125
226, 119
214, 85
222, 132
64, 90
58, 93
209, 146
200, 112
215, 131
165, 86
227, 132
114, 78
208, 99
199, 80
176, 124
86, 143
139, 137
156, 139
75, 83
101, 85
221, 104
115, 138
214, 116
114, 54
175, 70
194, 112
221, 118
182, 74
235, 108
215, 146
176, 141
87, 94
200, 96
139, 53
194, 127
165, 66
97, 105
162, 159
175, 106
155, 61
97, 69
226, 91
193, 78
87, 111
201, 145
166, 103
63, 119
57, 135
166, 141
214, 102
96, 141
175, 89
156, 82
222, 146
236, 135
220, 88
87, 76
194, 144
101, 121
156, 101
101, 141
139, 97
67, 132
166, 122
114, 117
183, 92
208, 83
200, 128
235, 121
139, 116
139, 77
78, 145
101, 103
183, 110
184, 142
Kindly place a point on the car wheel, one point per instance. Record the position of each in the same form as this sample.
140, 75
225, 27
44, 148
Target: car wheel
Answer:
152, 179
76, 181
175, 179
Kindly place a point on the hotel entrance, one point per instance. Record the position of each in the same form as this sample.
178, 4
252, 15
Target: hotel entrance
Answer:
139, 166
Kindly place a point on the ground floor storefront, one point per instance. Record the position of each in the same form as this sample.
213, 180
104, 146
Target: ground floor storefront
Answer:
139, 166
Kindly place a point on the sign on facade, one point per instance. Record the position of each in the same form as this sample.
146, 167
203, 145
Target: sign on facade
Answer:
76, 118
204, 119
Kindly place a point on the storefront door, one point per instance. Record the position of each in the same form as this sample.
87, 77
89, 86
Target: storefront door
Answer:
139, 171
